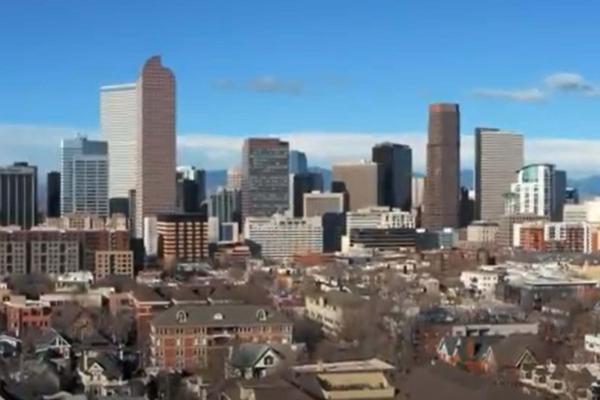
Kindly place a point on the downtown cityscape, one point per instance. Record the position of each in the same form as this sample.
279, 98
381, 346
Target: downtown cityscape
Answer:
460, 263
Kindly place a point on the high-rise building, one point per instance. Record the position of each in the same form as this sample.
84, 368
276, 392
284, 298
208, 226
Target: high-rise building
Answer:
560, 194
534, 191
361, 181
182, 237
395, 163
316, 204
53, 194
234, 178
298, 163
191, 188
284, 237
155, 182
18, 195
119, 106
498, 157
418, 191
442, 188
300, 184
84, 176
265, 178
225, 205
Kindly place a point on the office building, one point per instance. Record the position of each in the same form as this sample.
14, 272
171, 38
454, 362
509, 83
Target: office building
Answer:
382, 238
560, 194
84, 176
441, 207
482, 232
265, 177
155, 190
53, 194
225, 205
113, 262
182, 336
191, 189
298, 163
395, 164
571, 196
417, 191
282, 237
316, 204
119, 124
505, 236
234, 178
498, 157
361, 181
334, 229
300, 184
229, 232
18, 195
534, 191
182, 237
379, 218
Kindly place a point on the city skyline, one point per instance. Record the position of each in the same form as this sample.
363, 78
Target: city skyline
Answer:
309, 97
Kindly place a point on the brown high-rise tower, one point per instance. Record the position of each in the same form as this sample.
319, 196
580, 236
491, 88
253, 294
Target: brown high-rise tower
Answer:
155, 183
443, 163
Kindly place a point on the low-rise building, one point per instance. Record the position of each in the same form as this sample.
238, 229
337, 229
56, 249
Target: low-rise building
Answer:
181, 337
29, 314
482, 232
334, 310
480, 282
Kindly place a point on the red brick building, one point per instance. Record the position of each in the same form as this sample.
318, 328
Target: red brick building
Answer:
181, 336
24, 315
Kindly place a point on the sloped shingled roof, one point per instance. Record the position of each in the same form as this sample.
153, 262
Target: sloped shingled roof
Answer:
219, 315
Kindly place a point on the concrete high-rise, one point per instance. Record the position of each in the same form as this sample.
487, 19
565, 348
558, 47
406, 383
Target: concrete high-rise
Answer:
265, 177
498, 157
395, 163
156, 147
18, 195
442, 187
119, 126
361, 182
300, 184
84, 176
53, 194
234, 178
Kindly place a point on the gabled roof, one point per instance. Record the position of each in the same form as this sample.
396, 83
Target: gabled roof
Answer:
219, 315
509, 351
246, 355
110, 364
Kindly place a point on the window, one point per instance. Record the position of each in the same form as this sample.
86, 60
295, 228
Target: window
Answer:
269, 360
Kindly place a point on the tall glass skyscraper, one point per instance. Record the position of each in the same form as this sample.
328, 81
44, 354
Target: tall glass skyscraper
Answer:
298, 163
395, 164
18, 195
84, 176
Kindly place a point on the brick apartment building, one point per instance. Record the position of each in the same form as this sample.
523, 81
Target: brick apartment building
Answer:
181, 336
23, 315
182, 237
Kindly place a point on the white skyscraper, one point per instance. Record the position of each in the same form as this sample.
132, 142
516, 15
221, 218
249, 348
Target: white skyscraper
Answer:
84, 183
498, 157
533, 193
119, 124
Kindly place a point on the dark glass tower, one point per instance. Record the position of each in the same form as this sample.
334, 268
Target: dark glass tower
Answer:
395, 165
441, 208
298, 163
304, 183
18, 195
53, 194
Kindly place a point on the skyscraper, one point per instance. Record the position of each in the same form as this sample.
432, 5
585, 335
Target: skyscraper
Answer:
498, 157
560, 194
395, 163
300, 184
361, 181
534, 191
298, 163
234, 178
155, 182
84, 176
443, 163
191, 188
53, 194
225, 205
18, 195
119, 126
265, 178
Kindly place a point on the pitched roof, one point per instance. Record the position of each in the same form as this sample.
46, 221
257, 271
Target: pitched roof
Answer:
509, 350
218, 315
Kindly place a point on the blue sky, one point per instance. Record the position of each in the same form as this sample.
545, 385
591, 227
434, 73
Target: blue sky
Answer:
332, 76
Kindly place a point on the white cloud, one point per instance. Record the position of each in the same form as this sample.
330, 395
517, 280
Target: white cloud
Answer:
524, 95
571, 82
261, 84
